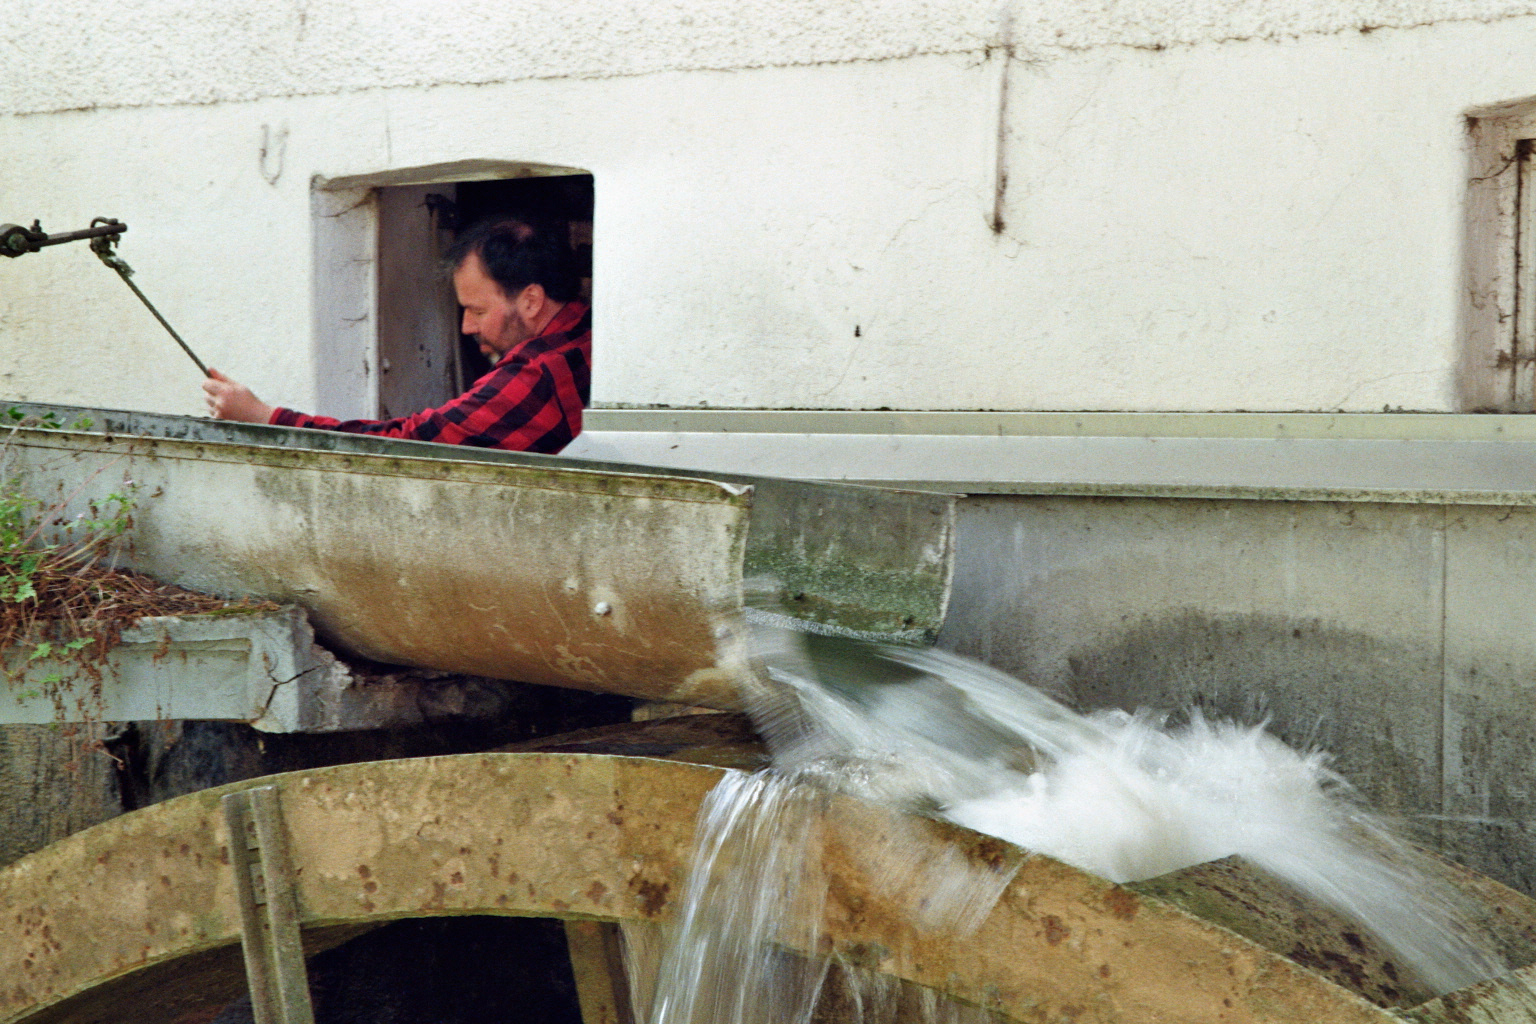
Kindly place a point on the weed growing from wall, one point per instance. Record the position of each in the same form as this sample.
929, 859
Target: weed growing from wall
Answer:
64, 602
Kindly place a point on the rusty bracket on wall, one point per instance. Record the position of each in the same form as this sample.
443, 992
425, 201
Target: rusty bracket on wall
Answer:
16, 240
269, 911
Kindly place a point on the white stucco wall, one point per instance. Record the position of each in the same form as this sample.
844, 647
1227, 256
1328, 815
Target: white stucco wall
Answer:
1210, 205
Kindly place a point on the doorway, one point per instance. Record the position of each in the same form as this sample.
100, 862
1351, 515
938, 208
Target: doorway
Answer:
423, 359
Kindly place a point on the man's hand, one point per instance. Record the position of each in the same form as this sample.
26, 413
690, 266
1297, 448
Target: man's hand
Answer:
229, 400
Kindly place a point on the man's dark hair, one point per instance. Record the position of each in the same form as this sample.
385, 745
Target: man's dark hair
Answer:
516, 256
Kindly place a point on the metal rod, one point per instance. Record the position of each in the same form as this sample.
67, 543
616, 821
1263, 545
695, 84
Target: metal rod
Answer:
163, 323
104, 233
101, 245
16, 240
113, 227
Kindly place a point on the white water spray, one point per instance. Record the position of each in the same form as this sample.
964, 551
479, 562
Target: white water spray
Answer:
1122, 796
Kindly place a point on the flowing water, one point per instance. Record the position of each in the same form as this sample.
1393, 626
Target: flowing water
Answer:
1122, 796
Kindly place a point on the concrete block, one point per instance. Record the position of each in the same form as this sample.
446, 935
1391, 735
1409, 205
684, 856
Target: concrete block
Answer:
1490, 664
1505, 850
264, 668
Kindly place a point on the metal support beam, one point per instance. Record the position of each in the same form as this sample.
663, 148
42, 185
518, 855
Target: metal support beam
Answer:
597, 961
269, 912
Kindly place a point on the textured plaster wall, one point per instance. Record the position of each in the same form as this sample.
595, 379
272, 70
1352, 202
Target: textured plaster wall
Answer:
95, 53
1208, 206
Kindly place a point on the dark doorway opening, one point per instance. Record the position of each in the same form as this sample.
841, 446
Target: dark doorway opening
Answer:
423, 358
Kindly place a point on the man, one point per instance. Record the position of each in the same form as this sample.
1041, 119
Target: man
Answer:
519, 295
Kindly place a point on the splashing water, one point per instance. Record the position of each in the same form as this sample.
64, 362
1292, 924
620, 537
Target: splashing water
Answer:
755, 897
1122, 796
1146, 800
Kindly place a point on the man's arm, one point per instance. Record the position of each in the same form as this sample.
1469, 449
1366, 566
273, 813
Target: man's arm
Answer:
530, 401
531, 407
534, 406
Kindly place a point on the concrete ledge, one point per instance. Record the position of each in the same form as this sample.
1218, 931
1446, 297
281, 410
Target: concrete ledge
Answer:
1440, 459
264, 668
1337, 426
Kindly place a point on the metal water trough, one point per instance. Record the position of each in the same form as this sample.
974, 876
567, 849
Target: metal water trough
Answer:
497, 564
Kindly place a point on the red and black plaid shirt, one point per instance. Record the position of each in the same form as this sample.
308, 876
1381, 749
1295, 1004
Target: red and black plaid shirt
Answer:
531, 401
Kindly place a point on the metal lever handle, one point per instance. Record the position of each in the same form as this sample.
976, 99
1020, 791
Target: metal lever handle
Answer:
16, 240
101, 245
104, 233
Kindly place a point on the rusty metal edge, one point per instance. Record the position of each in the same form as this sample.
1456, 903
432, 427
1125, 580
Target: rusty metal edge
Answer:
635, 482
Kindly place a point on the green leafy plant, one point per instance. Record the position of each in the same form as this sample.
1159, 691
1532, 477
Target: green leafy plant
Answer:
60, 590
64, 601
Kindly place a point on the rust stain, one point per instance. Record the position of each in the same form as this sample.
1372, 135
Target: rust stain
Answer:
1330, 963
653, 895
1055, 930
597, 891
363, 871
994, 853
457, 878
1122, 903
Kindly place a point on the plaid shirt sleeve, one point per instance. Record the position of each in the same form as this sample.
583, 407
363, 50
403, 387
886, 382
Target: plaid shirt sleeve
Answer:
531, 401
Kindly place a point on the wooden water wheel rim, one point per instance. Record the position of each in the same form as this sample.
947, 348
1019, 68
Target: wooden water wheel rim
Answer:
118, 910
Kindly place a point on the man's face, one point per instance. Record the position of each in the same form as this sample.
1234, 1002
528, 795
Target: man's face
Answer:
489, 313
